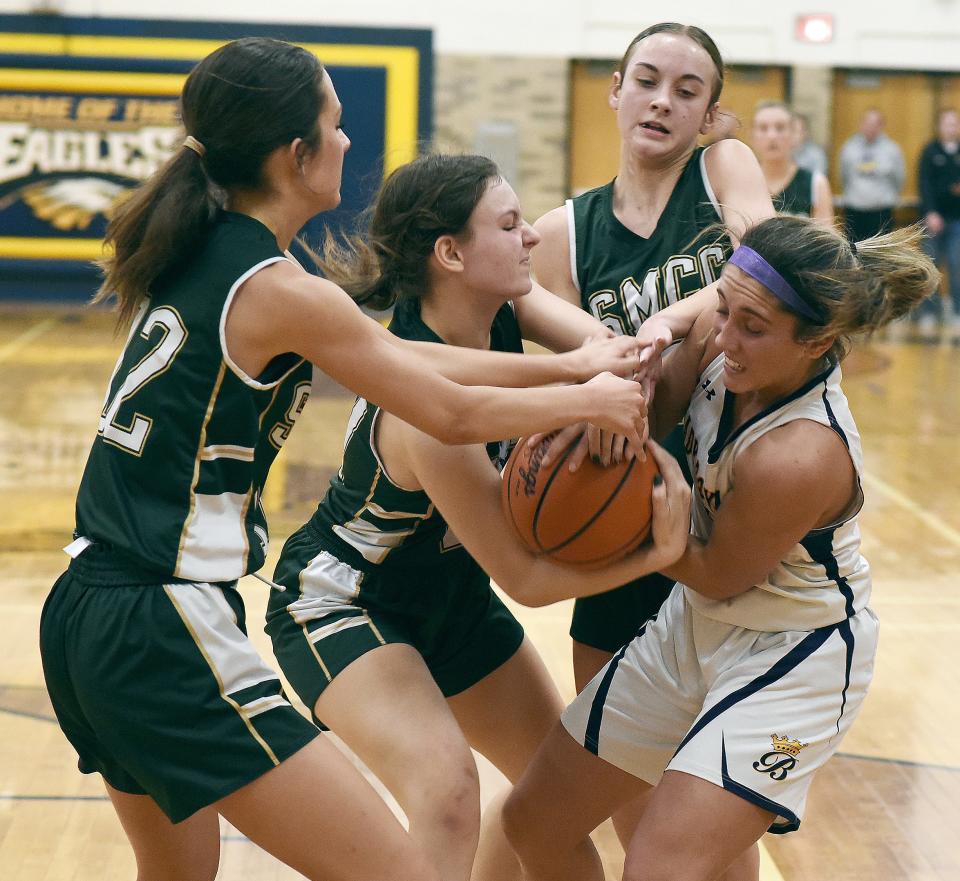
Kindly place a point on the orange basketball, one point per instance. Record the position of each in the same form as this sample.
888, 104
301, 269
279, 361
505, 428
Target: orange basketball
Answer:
587, 517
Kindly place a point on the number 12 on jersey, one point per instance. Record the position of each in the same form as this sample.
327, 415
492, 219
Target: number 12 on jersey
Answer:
133, 437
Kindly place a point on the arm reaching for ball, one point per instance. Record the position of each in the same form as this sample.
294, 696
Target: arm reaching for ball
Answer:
466, 489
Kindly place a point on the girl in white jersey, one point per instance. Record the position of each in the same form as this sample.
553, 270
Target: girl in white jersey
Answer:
745, 683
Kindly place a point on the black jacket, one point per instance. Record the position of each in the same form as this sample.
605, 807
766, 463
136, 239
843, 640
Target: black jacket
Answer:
939, 181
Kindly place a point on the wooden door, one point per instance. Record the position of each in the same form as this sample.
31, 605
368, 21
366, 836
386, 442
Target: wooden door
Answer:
907, 100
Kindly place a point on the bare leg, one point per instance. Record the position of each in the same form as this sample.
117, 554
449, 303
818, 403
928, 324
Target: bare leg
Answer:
727, 828
506, 717
187, 851
745, 867
317, 814
587, 662
561, 798
388, 710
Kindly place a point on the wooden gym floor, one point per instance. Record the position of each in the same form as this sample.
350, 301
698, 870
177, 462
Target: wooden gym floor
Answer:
888, 807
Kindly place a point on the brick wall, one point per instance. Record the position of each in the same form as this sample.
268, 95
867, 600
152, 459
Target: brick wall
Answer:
512, 109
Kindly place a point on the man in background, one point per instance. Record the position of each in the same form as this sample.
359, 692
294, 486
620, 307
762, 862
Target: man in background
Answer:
939, 187
872, 173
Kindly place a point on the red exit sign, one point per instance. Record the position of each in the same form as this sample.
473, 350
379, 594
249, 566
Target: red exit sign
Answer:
814, 28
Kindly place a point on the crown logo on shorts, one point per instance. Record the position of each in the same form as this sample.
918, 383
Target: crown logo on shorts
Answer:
782, 744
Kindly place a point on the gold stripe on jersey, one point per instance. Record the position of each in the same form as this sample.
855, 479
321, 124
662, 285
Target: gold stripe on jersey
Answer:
196, 465
264, 704
185, 598
376, 632
316, 654
384, 514
369, 540
266, 410
227, 451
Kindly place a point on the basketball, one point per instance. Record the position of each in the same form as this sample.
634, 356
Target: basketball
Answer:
587, 517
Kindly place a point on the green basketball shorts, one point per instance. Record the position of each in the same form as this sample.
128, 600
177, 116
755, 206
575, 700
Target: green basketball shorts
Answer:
610, 620
329, 614
159, 689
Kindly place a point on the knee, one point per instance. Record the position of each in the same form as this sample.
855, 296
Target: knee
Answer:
512, 815
520, 823
178, 859
655, 865
204, 870
642, 869
459, 804
448, 797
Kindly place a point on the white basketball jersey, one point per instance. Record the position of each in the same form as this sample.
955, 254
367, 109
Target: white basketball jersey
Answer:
823, 579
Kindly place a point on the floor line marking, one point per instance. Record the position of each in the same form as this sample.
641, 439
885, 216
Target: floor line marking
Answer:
8, 796
26, 714
27, 337
931, 520
908, 763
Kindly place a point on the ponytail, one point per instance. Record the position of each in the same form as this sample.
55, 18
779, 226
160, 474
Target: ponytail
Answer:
360, 268
239, 104
152, 229
895, 276
854, 290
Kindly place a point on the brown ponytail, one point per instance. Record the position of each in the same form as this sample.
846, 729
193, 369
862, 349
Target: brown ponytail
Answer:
174, 207
241, 102
855, 290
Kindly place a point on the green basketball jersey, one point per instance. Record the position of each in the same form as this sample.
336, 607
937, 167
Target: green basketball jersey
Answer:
186, 439
797, 196
624, 278
369, 522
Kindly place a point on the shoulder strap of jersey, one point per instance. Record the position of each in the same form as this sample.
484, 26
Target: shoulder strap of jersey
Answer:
706, 182
572, 240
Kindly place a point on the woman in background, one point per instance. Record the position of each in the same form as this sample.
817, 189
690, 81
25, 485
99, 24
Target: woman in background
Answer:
794, 190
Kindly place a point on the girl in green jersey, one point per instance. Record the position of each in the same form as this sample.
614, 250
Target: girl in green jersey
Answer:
632, 253
143, 639
386, 623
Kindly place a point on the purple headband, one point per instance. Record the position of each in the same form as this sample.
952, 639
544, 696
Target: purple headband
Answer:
756, 267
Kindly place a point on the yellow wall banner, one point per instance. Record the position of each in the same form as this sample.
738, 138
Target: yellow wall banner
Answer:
89, 109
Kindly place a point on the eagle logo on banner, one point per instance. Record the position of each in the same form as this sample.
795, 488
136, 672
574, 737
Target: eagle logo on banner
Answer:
72, 203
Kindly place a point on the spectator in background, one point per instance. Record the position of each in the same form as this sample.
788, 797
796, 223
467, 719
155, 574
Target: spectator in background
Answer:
939, 186
806, 153
872, 172
794, 190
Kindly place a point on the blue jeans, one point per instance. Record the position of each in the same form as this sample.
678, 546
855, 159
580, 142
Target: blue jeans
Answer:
944, 248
